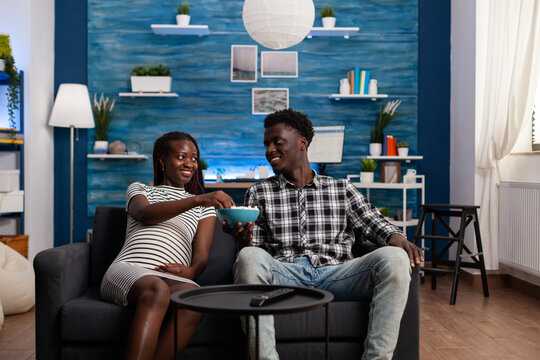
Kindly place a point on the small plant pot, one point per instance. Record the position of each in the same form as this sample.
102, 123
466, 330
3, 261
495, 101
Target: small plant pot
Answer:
366, 177
403, 151
100, 147
328, 22
375, 149
157, 84
183, 20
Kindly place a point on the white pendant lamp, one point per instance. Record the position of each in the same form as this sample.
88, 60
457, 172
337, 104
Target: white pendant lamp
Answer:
278, 24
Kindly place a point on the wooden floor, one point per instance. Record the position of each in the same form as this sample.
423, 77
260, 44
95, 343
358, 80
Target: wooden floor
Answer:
505, 326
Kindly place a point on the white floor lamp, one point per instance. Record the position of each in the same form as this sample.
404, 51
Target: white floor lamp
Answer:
72, 109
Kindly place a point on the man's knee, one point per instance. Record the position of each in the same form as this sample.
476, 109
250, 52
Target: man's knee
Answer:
252, 266
396, 262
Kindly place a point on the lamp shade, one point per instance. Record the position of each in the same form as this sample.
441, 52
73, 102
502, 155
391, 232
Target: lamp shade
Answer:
278, 24
72, 107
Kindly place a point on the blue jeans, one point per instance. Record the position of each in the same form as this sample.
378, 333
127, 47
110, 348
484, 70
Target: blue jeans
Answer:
382, 275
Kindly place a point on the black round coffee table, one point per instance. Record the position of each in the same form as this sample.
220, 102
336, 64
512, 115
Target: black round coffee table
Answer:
235, 299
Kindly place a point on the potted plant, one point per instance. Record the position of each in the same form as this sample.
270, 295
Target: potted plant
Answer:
386, 212
14, 81
386, 115
328, 17
403, 148
204, 166
183, 17
368, 168
102, 109
151, 79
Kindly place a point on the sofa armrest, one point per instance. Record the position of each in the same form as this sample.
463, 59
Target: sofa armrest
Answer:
408, 346
61, 275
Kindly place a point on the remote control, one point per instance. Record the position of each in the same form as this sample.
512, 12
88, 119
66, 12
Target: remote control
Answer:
271, 296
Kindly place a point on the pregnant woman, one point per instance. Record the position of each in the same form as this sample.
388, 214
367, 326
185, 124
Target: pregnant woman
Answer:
169, 232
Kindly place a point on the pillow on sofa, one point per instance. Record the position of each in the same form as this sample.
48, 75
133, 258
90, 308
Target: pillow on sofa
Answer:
17, 292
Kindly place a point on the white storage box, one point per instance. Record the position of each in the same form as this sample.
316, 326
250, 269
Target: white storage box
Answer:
159, 84
12, 201
9, 180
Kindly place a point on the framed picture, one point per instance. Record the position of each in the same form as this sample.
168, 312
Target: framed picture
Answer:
268, 100
244, 63
279, 64
391, 172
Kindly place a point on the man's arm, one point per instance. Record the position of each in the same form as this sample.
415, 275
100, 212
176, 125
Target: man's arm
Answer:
414, 252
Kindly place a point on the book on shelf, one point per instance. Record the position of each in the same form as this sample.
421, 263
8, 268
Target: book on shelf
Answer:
362, 82
384, 144
392, 146
350, 75
357, 80
366, 85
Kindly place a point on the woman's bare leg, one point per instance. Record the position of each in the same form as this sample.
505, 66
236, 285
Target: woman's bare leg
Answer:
187, 323
150, 295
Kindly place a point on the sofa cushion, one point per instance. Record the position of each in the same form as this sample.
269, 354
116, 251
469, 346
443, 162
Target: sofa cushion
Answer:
220, 260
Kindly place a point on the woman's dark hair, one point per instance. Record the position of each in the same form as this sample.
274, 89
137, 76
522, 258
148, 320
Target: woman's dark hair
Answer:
161, 150
294, 119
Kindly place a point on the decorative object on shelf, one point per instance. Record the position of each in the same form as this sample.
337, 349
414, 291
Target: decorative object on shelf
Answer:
403, 148
263, 171
117, 147
278, 24
386, 212
204, 167
72, 109
134, 147
102, 109
410, 176
399, 215
368, 170
344, 86
152, 79
328, 17
372, 88
183, 17
220, 172
14, 83
386, 115
391, 171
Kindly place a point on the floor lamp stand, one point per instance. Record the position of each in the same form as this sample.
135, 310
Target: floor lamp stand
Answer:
71, 130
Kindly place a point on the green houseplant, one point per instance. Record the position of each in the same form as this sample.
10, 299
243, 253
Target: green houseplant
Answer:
368, 167
328, 17
14, 82
403, 148
102, 109
386, 115
151, 79
204, 167
183, 17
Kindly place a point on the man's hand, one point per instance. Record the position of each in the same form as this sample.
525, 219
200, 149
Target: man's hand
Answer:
414, 252
177, 269
243, 235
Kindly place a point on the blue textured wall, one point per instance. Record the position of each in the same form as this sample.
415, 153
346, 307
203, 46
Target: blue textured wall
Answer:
217, 112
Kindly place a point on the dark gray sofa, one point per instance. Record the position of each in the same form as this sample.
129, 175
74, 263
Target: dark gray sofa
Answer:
72, 322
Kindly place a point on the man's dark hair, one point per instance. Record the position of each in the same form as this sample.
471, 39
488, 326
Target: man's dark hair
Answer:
294, 119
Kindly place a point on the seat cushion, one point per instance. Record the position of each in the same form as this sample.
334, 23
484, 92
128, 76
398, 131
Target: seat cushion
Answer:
17, 293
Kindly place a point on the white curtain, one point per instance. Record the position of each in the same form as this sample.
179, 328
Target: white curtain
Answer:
511, 73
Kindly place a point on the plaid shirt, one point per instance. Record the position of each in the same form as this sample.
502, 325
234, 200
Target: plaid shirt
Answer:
316, 220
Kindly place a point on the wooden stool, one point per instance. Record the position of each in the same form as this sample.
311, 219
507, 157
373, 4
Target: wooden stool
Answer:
468, 214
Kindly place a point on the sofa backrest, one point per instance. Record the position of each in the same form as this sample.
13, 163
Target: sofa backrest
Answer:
108, 237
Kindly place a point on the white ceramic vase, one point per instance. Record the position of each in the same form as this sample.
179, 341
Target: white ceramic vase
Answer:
182, 19
403, 151
375, 149
101, 147
329, 22
2, 64
366, 177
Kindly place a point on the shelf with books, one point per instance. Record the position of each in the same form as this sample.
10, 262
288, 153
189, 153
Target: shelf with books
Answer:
335, 31
170, 29
338, 97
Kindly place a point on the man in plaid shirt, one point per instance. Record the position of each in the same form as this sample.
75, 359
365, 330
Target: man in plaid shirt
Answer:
304, 236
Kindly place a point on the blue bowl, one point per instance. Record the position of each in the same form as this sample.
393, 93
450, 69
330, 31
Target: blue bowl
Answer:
235, 215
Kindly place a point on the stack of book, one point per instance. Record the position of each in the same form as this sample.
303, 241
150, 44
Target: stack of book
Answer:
389, 145
359, 81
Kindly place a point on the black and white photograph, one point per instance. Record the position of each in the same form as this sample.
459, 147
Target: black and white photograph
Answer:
279, 64
268, 100
244, 63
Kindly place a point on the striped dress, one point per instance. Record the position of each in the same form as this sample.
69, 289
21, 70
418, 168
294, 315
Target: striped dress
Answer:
148, 246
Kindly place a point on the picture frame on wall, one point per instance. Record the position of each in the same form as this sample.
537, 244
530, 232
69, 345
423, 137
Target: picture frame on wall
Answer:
244, 63
267, 100
391, 172
279, 64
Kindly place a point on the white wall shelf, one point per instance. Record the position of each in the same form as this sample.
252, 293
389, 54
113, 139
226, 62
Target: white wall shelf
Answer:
166, 29
338, 97
147, 94
407, 159
335, 31
118, 156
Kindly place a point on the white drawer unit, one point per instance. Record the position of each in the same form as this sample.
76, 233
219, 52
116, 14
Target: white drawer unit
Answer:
9, 180
12, 202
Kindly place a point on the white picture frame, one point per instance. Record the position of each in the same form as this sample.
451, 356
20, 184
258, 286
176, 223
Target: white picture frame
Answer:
244, 63
279, 64
267, 100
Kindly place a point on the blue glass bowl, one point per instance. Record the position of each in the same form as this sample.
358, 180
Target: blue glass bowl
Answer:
237, 215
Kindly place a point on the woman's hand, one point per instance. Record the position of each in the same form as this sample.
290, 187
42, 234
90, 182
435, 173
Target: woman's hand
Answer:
243, 235
217, 198
177, 269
